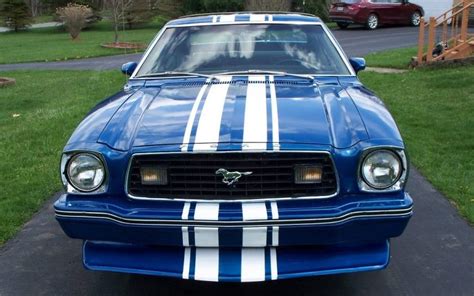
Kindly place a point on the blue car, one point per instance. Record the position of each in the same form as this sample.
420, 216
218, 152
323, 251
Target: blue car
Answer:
243, 148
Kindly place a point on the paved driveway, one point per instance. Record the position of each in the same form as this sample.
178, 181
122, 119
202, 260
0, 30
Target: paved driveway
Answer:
356, 42
435, 256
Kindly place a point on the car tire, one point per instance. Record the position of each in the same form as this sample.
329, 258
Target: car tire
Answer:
372, 22
342, 25
415, 19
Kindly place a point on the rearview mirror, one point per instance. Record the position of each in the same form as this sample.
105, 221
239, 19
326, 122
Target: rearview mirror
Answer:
358, 64
129, 68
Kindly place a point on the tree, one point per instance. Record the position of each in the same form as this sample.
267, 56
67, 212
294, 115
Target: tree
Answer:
15, 14
74, 16
138, 13
128, 12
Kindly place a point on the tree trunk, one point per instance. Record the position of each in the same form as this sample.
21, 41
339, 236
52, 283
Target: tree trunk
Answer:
116, 30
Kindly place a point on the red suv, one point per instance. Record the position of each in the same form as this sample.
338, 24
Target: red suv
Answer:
373, 13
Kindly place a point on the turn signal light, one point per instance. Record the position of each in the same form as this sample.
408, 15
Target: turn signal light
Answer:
307, 174
154, 176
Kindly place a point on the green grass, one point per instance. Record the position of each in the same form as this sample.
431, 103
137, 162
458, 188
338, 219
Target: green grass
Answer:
397, 58
434, 110
52, 44
49, 108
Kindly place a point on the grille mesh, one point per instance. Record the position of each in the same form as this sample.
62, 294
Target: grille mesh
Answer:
193, 176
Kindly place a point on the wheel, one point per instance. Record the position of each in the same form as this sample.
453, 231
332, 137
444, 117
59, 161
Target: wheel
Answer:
372, 22
343, 25
415, 19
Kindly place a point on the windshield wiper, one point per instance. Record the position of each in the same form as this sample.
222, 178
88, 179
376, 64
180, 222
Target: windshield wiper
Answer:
278, 73
176, 73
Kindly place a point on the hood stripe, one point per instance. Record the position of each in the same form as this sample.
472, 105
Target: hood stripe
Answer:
207, 134
255, 121
274, 112
192, 117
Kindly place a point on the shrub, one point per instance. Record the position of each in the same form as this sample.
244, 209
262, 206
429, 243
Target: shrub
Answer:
264, 5
317, 7
200, 6
15, 14
74, 17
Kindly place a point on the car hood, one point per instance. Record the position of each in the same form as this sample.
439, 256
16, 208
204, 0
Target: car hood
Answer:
254, 113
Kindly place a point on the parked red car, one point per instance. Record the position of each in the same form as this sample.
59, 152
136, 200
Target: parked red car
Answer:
373, 13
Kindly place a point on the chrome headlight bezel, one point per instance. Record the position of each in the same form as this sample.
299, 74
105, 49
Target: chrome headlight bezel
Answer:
69, 186
397, 185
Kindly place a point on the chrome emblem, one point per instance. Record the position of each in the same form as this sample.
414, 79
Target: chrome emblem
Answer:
230, 178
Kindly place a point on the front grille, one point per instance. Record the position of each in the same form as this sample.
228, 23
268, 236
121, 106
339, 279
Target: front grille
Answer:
193, 175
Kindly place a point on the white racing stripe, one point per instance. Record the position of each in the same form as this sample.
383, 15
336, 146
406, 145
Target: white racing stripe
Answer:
254, 236
253, 265
255, 120
273, 264
206, 236
227, 18
207, 134
206, 211
184, 229
207, 258
275, 123
257, 17
254, 211
186, 263
185, 233
192, 117
207, 264
275, 229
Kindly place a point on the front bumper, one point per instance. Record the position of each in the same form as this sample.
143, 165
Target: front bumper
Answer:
171, 238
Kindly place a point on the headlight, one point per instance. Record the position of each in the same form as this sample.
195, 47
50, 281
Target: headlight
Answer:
85, 172
381, 169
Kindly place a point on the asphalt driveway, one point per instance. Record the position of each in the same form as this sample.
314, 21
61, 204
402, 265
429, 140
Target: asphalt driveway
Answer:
435, 256
355, 41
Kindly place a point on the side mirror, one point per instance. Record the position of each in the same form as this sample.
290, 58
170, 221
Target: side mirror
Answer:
358, 64
129, 68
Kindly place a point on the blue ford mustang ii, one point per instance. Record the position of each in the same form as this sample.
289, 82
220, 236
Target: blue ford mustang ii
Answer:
243, 148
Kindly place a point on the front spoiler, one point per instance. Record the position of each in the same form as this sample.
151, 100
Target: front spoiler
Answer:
294, 223
236, 264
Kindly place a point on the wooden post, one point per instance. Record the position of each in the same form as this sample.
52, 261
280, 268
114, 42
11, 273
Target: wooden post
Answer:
421, 42
445, 32
464, 21
431, 39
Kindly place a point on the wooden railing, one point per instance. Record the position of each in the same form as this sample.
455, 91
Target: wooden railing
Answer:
448, 34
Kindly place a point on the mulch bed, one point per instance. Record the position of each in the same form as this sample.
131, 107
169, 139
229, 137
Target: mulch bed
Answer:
124, 45
5, 81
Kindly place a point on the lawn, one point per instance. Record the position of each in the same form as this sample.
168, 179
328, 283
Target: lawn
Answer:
434, 110
53, 44
397, 58
37, 116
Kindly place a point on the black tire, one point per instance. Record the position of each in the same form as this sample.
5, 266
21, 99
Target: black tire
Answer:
415, 19
372, 22
343, 25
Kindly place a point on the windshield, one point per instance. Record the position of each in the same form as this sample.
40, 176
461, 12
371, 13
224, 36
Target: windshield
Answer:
298, 49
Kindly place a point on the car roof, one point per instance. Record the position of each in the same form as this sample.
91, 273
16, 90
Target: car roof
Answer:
242, 17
